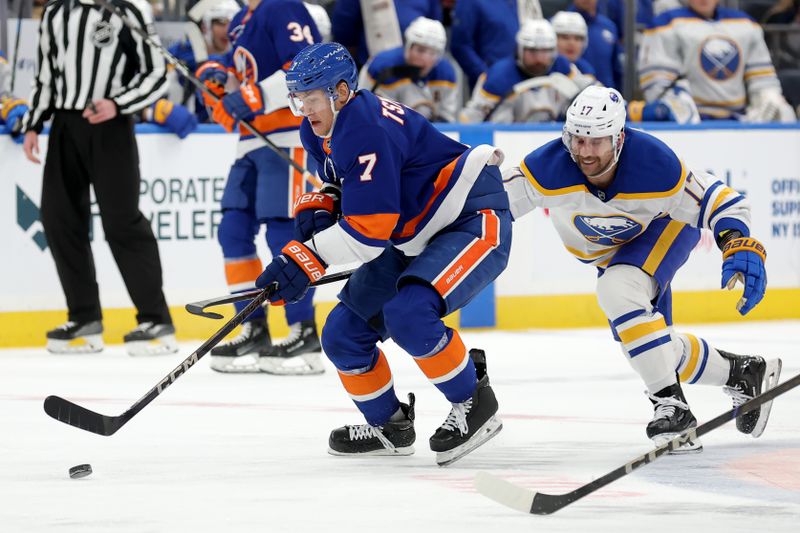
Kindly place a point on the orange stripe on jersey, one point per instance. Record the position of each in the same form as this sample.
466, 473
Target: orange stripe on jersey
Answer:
455, 272
242, 270
438, 186
378, 226
296, 180
368, 383
445, 364
326, 146
282, 118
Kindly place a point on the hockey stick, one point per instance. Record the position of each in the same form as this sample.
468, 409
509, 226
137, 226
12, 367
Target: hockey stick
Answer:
82, 418
528, 501
183, 71
16, 45
199, 308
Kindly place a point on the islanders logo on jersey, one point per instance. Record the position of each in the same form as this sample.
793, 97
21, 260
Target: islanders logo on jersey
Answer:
607, 230
720, 57
245, 65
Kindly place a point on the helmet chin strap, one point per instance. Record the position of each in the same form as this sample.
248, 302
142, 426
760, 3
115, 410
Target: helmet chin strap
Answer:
335, 115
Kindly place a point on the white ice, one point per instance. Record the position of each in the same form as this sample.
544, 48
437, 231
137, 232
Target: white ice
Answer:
248, 452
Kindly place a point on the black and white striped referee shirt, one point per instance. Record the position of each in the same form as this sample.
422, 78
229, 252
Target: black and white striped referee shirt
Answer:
86, 53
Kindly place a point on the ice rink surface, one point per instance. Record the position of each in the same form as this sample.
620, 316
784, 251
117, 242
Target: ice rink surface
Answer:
219, 453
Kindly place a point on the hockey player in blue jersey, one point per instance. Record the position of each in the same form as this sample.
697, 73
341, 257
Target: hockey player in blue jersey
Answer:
622, 201
261, 186
428, 218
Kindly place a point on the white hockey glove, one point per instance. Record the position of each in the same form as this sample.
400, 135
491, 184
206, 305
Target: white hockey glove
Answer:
682, 105
566, 87
769, 105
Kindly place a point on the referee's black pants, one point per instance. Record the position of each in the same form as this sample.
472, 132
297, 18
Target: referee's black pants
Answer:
106, 156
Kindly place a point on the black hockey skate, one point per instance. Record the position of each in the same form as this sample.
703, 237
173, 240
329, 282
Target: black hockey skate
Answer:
76, 337
671, 418
749, 377
240, 354
149, 338
471, 423
396, 437
298, 354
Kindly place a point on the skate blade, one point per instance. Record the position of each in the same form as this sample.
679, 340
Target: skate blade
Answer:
307, 364
160, 346
692, 446
244, 364
771, 376
489, 429
85, 344
402, 451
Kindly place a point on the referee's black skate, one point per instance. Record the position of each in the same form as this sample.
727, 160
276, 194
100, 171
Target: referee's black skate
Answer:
298, 354
76, 337
471, 423
240, 354
672, 417
749, 377
396, 437
149, 338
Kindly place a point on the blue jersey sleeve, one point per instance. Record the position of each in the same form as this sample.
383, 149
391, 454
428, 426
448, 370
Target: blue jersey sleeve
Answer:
463, 46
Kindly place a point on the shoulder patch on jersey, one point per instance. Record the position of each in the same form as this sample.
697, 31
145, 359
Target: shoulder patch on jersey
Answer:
648, 168
552, 172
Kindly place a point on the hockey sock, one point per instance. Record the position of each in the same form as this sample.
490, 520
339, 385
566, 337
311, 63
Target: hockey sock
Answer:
646, 340
372, 390
701, 363
450, 368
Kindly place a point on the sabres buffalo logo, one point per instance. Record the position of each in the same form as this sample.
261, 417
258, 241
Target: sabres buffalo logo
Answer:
607, 230
720, 57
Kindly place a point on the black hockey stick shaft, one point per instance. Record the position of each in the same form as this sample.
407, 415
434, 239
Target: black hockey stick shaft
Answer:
82, 418
550, 503
183, 71
16, 45
199, 308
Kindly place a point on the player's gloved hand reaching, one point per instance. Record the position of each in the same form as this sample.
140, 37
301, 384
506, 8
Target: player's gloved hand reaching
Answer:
743, 260
11, 111
316, 211
214, 76
239, 105
175, 117
292, 271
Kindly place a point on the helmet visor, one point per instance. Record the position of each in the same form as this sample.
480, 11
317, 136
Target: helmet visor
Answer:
309, 102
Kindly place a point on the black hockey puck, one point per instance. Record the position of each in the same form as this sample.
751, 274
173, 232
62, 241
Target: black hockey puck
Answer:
79, 471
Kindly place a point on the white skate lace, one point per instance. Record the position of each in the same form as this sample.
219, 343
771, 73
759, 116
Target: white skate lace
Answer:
665, 407
244, 335
144, 326
365, 431
457, 419
67, 325
736, 395
295, 332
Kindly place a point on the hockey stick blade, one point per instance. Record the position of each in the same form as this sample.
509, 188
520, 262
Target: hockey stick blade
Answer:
87, 420
199, 308
528, 501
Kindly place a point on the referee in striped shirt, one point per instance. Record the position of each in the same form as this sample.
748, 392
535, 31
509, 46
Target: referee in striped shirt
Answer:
93, 73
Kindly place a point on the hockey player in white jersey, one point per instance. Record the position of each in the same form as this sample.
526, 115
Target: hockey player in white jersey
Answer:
534, 86
417, 74
719, 56
623, 202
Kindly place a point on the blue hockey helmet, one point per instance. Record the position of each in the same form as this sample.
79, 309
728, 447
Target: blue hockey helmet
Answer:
322, 66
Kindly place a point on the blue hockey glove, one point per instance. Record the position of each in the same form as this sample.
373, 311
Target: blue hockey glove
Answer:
12, 112
657, 111
293, 271
243, 104
743, 260
316, 211
175, 117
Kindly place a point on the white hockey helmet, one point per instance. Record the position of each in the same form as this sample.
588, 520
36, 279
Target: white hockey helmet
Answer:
206, 11
570, 23
426, 32
321, 19
537, 34
596, 112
